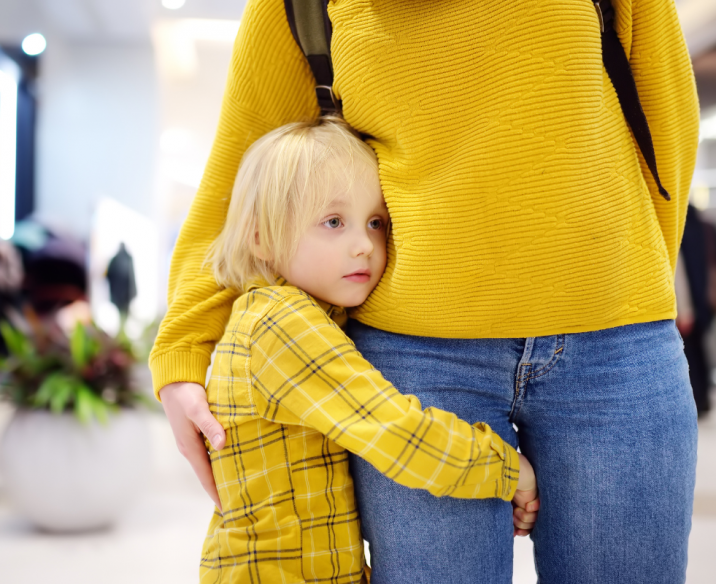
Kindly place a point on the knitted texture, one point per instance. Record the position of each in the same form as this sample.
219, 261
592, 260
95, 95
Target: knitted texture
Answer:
520, 203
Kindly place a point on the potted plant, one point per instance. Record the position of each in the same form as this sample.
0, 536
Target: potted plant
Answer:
76, 450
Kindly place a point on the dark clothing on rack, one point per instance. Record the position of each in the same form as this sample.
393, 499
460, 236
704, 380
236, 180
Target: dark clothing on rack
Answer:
120, 274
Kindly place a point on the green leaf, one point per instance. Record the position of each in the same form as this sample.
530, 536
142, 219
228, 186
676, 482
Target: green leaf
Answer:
78, 346
89, 405
64, 390
55, 391
82, 347
17, 343
37, 365
46, 390
60, 399
101, 409
84, 406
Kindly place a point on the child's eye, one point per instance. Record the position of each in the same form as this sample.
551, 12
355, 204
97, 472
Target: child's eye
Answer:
333, 222
375, 224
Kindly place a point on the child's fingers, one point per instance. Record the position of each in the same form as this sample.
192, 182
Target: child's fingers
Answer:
524, 512
532, 505
524, 516
523, 498
523, 525
526, 526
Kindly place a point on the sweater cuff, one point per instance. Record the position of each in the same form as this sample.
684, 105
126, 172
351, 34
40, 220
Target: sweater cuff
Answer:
176, 366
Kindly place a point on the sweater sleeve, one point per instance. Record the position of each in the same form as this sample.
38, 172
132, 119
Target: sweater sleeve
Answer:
653, 40
269, 84
305, 371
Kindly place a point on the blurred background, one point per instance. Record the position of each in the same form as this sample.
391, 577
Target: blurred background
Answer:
107, 114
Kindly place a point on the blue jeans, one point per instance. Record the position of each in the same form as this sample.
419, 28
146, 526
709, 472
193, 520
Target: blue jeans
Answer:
608, 421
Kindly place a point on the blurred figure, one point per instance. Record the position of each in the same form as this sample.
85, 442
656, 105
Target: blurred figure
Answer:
694, 309
122, 284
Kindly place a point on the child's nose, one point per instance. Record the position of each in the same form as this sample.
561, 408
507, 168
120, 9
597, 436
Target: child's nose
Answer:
363, 245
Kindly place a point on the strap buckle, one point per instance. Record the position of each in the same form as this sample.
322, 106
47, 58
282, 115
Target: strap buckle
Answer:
327, 100
598, 7
605, 13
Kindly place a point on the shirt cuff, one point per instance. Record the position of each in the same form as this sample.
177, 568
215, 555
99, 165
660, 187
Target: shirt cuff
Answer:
176, 366
503, 482
510, 472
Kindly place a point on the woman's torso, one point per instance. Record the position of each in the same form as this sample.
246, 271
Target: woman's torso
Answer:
518, 204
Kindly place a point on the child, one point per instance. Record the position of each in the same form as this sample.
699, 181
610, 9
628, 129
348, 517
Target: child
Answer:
305, 236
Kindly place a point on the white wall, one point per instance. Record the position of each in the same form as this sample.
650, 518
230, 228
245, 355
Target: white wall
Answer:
190, 106
103, 110
97, 131
190, 101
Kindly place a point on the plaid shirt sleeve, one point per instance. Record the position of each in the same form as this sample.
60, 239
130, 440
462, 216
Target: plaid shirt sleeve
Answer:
305, 371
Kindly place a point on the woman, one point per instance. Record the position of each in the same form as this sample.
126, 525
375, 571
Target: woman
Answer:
530, 275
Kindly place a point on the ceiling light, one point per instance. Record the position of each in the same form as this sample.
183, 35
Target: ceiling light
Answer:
34, 44
173, 4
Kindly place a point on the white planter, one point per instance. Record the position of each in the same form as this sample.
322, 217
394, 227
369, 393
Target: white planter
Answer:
68, 476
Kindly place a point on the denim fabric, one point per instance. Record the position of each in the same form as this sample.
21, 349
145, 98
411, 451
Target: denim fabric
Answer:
608, 421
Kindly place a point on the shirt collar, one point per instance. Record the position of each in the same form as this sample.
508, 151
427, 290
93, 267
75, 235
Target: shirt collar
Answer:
337, 313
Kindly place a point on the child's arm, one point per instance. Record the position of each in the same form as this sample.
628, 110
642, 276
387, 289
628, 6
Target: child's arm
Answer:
304, 370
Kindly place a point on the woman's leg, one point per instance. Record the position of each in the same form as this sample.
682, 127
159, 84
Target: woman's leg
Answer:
415, 537
611, 431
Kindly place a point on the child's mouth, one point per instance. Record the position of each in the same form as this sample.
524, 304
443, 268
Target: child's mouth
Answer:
359, 276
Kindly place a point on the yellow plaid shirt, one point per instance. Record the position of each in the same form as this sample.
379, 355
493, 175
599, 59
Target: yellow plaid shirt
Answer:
294, 395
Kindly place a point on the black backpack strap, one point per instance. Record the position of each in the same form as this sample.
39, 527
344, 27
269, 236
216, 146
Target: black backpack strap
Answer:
312, 30
619, 71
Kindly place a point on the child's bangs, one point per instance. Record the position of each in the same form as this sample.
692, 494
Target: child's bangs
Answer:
338, 159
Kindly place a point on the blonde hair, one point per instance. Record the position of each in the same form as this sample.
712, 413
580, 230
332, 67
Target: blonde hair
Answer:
285, 180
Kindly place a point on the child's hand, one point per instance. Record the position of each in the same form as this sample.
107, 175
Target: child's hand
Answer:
525, 503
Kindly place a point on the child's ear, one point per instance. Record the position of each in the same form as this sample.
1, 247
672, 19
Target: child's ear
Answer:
258, 251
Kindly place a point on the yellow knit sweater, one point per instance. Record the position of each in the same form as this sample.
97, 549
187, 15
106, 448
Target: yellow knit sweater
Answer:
520, 204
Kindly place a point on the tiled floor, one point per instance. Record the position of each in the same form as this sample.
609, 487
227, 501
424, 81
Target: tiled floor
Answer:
159, 541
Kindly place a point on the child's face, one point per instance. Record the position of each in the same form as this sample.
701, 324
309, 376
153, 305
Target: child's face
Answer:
341, 258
